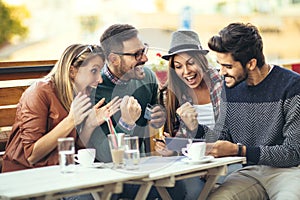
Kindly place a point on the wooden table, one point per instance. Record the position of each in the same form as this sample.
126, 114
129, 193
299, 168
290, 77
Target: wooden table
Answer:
164, 171
50, 183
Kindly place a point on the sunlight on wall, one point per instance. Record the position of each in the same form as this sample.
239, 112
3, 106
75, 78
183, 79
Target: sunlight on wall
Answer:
56, 24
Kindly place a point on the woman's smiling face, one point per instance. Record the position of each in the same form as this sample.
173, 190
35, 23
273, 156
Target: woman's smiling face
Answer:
188, 70
88, 77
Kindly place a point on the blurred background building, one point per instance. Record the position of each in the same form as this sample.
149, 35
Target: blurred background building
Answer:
55, 24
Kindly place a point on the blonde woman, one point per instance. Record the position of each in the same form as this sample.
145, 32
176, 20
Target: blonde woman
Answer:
53, 107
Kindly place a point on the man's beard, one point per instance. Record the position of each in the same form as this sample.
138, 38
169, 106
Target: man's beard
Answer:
137, 72
126, 75
237, 81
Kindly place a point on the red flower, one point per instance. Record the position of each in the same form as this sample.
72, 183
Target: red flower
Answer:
158, 54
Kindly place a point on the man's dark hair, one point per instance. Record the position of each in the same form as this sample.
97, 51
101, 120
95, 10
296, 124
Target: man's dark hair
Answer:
113, 37
243, 41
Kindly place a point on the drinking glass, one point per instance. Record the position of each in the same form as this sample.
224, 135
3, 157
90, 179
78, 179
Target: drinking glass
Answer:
66, 152
116, 144
132, 152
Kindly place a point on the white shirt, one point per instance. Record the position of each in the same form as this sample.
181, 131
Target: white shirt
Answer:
205, 115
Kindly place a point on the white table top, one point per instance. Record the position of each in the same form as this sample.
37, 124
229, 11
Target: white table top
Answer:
49, 180
160, 167
163, 171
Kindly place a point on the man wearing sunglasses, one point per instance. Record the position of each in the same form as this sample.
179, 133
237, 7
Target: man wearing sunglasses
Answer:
124, 76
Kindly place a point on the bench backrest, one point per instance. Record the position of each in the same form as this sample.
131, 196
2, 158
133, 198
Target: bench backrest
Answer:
15, 78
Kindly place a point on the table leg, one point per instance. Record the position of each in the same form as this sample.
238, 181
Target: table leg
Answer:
164, 194
211, 180
96, 196
161, 187
144, 191
109, 189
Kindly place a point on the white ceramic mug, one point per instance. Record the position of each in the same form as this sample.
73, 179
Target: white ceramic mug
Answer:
194, 151
85, 157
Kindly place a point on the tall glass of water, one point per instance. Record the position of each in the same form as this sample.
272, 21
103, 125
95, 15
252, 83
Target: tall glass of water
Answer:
132, 152
66, 151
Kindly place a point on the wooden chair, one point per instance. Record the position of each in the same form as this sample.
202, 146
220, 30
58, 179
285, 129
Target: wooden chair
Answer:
15, 78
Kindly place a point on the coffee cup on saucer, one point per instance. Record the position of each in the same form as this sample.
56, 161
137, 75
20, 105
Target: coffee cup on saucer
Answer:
85, 157
195, 151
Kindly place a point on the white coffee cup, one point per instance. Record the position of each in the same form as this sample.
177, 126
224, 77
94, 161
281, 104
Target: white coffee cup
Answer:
85, 157
195, 151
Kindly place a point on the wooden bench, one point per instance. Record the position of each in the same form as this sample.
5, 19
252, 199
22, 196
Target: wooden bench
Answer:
15, 78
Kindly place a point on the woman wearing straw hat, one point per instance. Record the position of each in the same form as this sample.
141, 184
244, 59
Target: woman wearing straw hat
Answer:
193, 96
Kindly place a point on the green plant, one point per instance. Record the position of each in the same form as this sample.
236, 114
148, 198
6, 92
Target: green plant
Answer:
11, 22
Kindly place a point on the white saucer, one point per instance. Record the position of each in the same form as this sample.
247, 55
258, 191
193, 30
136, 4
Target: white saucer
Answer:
203, 160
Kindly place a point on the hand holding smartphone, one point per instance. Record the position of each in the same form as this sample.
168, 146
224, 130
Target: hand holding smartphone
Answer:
148, 112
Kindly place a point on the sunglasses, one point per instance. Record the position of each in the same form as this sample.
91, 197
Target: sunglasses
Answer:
137, 55
89, 47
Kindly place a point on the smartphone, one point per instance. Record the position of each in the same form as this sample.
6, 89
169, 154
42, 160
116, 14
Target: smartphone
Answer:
148, 112
176, 143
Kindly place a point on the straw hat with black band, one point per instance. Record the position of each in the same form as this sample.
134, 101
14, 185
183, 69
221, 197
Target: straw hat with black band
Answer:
184, 41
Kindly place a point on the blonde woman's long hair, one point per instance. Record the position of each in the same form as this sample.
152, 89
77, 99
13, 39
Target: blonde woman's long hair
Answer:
76, 55
177, 88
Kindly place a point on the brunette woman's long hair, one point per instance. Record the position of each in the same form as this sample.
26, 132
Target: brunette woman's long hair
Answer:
177, 89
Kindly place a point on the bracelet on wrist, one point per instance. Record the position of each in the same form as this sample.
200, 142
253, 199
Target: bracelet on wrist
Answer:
125, 125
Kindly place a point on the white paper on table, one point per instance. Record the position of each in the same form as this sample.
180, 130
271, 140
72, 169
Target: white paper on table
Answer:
152, 164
